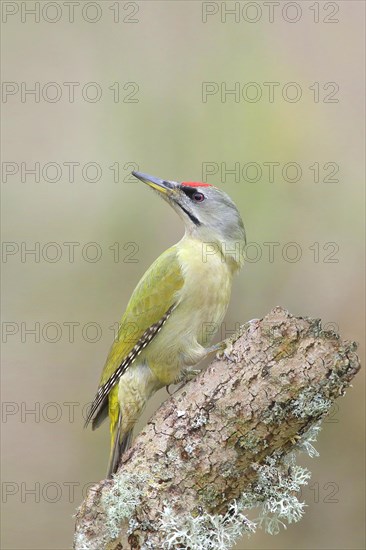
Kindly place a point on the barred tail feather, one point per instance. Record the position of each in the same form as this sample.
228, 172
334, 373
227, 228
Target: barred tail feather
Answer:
118, 448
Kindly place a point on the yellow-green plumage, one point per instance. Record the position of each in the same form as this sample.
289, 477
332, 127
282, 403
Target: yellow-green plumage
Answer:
169, 321
152, 297
200, 291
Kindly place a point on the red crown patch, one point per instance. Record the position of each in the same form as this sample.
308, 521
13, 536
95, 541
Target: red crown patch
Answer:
195, 184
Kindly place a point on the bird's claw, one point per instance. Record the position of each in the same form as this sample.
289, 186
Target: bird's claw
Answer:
185, 376
225, 350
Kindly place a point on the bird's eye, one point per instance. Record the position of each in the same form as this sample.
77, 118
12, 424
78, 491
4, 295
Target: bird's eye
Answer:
198, 197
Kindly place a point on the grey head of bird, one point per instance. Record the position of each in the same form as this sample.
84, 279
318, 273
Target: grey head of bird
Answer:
208, 213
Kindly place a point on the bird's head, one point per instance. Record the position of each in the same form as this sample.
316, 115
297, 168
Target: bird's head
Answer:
208, 213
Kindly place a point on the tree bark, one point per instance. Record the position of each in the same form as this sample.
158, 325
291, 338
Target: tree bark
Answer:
202, 448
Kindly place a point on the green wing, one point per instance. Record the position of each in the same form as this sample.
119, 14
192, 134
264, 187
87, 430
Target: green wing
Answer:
149, 305
151, 299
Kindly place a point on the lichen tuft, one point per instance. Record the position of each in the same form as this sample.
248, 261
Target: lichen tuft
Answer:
310, 404
205, 531
121, 500
273, 493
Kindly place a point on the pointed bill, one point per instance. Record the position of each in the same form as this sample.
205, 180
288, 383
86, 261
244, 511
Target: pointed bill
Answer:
156, 183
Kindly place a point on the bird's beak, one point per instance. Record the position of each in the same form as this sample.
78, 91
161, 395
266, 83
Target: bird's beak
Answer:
162, 186
171, 192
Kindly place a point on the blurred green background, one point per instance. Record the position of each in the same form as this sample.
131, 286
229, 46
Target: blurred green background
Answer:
167, 53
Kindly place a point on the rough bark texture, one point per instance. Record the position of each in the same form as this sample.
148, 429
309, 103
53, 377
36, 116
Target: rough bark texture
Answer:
198, 450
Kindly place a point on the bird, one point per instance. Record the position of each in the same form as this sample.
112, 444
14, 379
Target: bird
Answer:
172, 315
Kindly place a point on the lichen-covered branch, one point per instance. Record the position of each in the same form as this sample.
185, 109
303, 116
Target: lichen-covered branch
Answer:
224, 444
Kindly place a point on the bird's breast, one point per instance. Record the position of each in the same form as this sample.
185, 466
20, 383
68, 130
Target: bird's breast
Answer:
205, 294
201, 305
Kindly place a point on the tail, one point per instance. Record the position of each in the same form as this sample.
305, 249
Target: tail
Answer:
125, 404
120, 441
118, 447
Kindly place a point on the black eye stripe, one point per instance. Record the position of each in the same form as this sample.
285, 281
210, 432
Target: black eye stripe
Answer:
189, 191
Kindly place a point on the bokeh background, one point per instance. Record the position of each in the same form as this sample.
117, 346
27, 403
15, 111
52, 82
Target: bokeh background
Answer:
159, 55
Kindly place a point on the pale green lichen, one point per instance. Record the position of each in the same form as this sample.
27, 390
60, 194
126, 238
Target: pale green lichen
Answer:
133, 524
83, 542
205, 531
118, 503
305, 443
278, 480
273, 493
189, 448
310, 403
148, 545
200, 419
251, 442
276, 413
121, 500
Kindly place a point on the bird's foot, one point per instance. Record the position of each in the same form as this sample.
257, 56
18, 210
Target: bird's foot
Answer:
226, 347
185, 376
222, 349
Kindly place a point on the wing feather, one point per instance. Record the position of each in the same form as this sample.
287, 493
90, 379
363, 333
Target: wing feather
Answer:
150, 306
